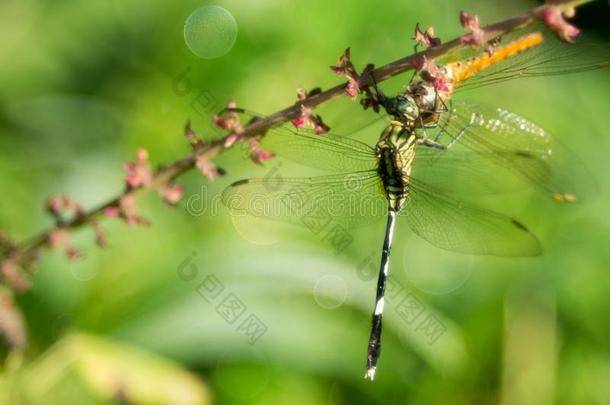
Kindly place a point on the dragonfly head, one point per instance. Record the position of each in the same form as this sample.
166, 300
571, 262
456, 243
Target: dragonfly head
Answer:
403, 108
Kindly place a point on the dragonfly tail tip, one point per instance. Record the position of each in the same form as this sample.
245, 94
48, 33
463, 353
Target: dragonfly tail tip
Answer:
370, 373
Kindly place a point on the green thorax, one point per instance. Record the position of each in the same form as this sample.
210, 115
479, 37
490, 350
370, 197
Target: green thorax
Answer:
395, 153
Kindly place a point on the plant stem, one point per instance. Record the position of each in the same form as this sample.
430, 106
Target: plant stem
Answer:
27, 251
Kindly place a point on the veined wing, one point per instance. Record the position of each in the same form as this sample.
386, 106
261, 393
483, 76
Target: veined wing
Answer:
322, 151
327, 151
516, 144
464, 172
349, 199
538, 53
454, 225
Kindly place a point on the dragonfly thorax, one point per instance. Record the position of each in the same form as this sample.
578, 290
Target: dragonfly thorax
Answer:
395, 153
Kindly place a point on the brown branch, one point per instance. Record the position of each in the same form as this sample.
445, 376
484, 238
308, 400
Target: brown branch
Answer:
27, 252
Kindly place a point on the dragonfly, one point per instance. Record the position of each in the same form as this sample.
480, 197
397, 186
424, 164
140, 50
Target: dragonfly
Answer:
433, 156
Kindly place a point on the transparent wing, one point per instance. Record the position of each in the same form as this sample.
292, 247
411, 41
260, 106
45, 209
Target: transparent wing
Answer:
454, 225
330, 152
518, 145
327, 151
344, 199
464, 172
344, 116
551, 57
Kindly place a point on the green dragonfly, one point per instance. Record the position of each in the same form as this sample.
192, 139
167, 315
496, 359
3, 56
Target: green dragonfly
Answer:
432, 159
404, 177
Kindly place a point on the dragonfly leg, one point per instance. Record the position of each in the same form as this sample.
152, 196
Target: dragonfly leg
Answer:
423, 126
415, 50
442, 130
444, 109
444, 106
439, 135
424, 139
458, 136
377, 98
433, 144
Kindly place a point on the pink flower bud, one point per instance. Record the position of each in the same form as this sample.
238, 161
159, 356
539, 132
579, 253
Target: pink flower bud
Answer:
14, 276
418, 62
57, 238
12, 327
171, 193
230, 120
468, 21
554, 20
220, 122
352, 89
112, 212
426, 38
55, 204
138, 173
344, 67
130, 212
299, 122
477, 36
230, 140
142, 155
257, 153
207, 168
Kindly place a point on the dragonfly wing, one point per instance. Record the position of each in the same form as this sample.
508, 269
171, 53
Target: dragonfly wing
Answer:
517, 145
454, 225
348, 200
331, 152
462, 172
327, 152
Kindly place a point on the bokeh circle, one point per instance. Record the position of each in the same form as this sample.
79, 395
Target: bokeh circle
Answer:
210, 32
330, 291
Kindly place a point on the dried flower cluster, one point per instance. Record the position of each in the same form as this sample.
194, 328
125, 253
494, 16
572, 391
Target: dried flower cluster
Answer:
231, 120
426, 38
476, 38
555, 21
307, 116
345, 67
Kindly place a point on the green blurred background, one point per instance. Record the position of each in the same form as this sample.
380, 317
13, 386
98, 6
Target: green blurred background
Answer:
84, 84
